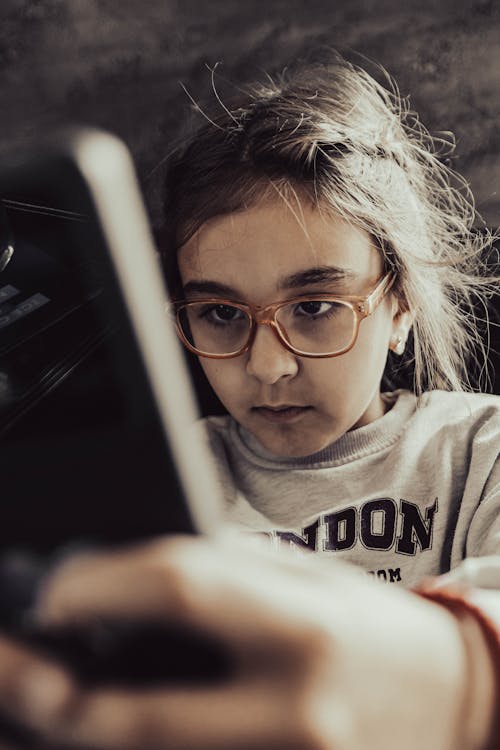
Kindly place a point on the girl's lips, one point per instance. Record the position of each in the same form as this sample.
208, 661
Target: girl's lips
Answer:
280, 414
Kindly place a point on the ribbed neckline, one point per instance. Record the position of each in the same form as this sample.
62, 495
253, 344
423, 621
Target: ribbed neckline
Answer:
363, 441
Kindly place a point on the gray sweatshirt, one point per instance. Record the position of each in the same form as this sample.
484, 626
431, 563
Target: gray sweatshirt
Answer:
412, 494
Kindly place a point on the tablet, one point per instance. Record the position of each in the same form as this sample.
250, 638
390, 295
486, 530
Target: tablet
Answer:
97, 412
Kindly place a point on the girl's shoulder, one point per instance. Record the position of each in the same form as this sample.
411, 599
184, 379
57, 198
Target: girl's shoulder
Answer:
464, 417
458, 405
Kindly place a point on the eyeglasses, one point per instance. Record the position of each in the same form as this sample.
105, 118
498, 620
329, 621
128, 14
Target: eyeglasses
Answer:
316, 326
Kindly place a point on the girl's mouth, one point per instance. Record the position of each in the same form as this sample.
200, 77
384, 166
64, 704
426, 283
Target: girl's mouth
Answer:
280, 414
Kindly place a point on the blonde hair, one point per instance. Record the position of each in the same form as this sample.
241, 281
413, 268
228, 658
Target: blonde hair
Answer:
355, 148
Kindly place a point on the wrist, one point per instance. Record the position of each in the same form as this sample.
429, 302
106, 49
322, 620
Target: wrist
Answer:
479, 718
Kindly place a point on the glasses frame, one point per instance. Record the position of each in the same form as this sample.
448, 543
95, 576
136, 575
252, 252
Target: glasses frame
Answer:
362, 308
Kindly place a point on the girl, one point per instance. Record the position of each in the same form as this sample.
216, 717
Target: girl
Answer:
315, 246
310, 231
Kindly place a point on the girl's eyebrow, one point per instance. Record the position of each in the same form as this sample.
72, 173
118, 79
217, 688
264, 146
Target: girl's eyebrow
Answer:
311, 276
209, 288
316, 275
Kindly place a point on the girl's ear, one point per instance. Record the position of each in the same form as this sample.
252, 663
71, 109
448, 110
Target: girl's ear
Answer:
401, 323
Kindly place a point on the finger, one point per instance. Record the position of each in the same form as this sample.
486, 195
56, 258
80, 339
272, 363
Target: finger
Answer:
192, 583
31, 688
238, 716
139, 721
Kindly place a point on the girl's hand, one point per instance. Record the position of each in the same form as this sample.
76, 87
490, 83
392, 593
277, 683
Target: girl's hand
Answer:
324, 657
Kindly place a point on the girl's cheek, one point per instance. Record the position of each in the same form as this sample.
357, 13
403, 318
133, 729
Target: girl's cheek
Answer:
223, 376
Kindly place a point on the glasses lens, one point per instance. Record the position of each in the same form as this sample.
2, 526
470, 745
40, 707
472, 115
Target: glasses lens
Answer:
215, 328
317, 326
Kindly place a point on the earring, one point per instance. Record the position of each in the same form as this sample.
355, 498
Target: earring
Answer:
398, 344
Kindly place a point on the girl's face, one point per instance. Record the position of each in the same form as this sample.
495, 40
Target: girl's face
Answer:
271, 252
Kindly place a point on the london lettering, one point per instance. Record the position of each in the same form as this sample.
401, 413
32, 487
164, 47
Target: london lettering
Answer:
379, 524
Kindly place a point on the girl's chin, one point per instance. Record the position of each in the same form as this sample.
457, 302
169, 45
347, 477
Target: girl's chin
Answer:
288, 443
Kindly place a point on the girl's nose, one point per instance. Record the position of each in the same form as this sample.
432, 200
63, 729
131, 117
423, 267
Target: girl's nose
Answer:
268, 360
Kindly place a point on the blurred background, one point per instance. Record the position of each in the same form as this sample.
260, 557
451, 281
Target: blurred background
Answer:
119, 64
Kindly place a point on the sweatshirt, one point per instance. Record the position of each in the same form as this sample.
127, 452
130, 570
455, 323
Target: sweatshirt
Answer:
415, 493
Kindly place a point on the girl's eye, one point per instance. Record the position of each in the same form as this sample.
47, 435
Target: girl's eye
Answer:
315, 308
221, 314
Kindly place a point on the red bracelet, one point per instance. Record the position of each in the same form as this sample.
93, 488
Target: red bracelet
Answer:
455, 599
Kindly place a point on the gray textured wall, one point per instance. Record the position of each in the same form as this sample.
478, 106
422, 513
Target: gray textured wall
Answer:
117, 63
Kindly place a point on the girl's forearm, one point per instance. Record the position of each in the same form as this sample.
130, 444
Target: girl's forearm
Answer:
480, 728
